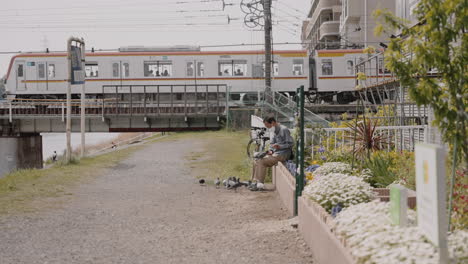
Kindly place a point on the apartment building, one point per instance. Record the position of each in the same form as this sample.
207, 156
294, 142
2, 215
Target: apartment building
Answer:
343, 24
357, 22
321, 28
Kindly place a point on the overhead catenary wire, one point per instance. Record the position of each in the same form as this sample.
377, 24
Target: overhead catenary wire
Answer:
292, 8
113, 5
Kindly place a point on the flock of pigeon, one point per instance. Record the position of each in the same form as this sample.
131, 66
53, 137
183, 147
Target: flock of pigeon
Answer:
232, 183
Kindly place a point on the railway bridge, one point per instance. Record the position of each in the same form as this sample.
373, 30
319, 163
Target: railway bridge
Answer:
118, 109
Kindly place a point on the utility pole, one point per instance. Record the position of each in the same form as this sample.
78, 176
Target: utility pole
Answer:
268, 55
258, 15
76, 75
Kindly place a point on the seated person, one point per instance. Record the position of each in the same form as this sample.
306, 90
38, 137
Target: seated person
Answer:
165, 73
157, 74
280, 150
239, 73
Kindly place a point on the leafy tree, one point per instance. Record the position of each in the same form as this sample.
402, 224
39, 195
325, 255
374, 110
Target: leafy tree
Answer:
438, 44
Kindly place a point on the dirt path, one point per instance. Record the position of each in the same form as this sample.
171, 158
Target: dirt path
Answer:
149, 209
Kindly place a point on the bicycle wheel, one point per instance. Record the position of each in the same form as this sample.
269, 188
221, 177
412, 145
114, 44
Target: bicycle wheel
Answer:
252, 147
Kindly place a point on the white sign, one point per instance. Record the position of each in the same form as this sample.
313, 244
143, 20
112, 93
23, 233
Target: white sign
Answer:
79, 76
430, 187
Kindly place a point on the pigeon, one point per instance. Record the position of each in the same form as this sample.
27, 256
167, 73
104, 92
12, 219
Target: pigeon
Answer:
217, 183
202, 181
236, 184
231, 182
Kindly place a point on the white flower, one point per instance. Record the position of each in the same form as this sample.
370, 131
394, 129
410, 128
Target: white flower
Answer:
372, 238
338, 188
333, 167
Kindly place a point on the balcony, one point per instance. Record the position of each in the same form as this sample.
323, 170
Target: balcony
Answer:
329, 28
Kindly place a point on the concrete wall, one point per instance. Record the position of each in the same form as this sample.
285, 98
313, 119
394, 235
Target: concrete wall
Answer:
285, 185
315, 226
22, 152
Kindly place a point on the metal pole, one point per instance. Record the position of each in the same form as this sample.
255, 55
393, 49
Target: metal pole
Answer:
268, 29
68, 125
10, 113
83, 106
300, 154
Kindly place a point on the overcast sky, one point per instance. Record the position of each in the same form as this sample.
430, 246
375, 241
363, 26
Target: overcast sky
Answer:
33, 25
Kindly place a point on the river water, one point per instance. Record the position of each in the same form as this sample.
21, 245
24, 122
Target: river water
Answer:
58, 141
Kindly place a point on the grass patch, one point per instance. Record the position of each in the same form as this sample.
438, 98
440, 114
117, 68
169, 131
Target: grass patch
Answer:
20, 188
223, 154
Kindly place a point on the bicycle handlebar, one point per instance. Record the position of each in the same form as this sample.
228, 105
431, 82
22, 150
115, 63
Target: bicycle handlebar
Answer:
258, 128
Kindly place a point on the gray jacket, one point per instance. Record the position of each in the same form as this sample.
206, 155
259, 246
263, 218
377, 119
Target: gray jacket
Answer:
282, 137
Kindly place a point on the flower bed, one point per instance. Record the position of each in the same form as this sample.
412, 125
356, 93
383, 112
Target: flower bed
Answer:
371, 238
315, 226
333, 167
338, 189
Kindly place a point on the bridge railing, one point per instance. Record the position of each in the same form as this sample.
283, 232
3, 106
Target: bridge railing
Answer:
129, 100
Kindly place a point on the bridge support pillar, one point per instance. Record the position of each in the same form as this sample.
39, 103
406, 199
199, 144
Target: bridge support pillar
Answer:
20, 152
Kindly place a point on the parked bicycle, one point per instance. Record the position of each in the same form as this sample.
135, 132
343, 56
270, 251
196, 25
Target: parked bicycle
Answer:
257, 145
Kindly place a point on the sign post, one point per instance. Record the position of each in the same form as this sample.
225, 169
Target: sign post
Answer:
431, 204
398, 205
76, 59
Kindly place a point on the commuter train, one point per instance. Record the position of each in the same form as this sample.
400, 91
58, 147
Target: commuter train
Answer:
328, 75
44, 75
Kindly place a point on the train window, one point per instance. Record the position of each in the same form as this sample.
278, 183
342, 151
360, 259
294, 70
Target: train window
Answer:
382, 68
240, 68
91, 69
298, 66
201, 69
51, 70
158, 68
20, 71
275, 69
189, 68
327, 67
232, 68
126, 69
225, 68
41, 70
115, 69
350, 67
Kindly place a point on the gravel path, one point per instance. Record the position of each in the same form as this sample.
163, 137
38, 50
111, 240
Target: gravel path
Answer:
149, 209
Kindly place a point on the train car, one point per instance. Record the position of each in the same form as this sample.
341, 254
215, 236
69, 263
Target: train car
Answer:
44, 75
332, 74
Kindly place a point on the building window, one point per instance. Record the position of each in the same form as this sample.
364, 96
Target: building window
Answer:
327, 67
126, 69
115, 69
51, 70
41, 70
298, 67
20, 70
232, 68
350, 67
158, 68
190, 69
91, 69
201, 69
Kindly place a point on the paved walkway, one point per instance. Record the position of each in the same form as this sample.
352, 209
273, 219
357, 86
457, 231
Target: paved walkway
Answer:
149, 209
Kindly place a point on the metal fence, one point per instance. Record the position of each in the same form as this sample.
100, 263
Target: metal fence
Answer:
394, 138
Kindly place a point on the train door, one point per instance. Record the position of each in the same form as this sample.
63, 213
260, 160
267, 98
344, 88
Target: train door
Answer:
41, 76
20, 76
31, 74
